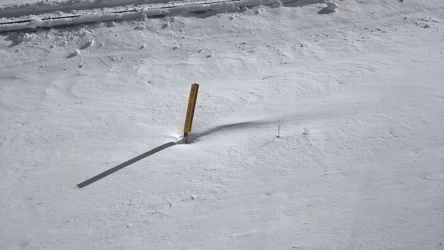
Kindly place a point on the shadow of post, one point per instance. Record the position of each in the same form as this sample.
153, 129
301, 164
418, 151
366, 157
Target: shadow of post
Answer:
193, 138
125, 164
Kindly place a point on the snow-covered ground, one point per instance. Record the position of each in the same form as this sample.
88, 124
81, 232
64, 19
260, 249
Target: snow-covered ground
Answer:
359, 162
56, 8
125, 13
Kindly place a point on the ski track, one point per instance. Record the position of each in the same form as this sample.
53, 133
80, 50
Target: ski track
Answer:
203, 10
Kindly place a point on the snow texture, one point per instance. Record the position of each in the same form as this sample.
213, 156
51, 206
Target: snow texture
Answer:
203, 9
311, 131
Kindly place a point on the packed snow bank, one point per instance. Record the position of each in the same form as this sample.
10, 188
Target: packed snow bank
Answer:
187, 9
71, 5
331, 8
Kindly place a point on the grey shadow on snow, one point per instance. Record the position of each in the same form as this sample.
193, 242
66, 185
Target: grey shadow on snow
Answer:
252, 123
126, 164
326, 10
14, 43
73, 54
192, 138
14, 39
196, 136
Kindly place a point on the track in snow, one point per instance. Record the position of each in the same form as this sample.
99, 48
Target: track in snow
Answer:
202, 9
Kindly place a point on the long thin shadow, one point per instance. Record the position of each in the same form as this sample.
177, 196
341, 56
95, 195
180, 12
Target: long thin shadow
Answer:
125, 164
167, 145
325, 11
251, 123
192, 138
228, 126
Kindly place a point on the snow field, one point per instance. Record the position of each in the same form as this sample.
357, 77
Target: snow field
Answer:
358, 164
203, 9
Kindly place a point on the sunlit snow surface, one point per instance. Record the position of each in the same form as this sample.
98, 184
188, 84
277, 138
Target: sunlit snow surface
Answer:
357, 94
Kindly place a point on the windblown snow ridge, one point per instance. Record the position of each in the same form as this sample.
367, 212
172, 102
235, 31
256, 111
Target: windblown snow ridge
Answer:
18, 10
201, 9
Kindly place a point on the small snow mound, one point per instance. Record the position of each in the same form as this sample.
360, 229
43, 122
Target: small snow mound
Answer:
331, 8
17, 38
111, 24
88, 44
75, 53
35, 23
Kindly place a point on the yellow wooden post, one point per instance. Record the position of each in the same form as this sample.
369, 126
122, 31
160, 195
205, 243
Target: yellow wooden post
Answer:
190, 111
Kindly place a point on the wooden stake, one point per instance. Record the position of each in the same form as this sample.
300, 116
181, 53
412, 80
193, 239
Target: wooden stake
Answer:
190, 111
